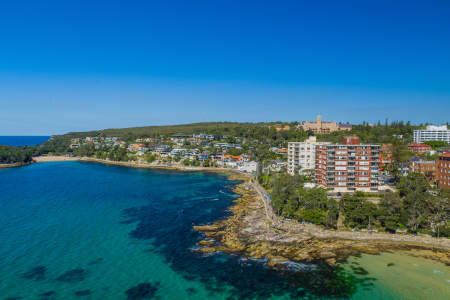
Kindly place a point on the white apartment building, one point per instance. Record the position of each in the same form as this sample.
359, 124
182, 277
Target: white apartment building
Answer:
302, 155
432, 133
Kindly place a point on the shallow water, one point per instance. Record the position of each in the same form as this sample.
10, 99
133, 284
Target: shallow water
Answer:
72, 230
401, 276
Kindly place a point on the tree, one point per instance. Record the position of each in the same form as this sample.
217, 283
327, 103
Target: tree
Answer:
358, 211
400, 155
389, 209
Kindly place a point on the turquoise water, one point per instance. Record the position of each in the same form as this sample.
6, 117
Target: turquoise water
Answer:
72, 230
23, 140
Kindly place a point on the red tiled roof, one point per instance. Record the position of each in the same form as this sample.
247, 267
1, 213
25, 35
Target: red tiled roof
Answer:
446, 154
419, 145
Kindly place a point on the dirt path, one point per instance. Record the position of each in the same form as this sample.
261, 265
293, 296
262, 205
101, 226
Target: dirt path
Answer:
291, 227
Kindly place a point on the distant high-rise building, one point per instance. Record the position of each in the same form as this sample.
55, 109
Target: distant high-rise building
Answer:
302, 155
432, 133
348, 167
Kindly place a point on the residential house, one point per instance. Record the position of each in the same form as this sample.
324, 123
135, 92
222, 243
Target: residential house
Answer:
419, 148
425, 167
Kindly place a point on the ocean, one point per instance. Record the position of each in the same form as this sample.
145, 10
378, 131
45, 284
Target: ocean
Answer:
23, 140
74, 230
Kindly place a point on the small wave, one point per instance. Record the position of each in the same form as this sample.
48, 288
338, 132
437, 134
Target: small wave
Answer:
258, 260
437, 272
211, 253
298, 267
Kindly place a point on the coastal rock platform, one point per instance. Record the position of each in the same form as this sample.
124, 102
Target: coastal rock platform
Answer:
251, 232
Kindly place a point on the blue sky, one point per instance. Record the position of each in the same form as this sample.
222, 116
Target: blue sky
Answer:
100, 64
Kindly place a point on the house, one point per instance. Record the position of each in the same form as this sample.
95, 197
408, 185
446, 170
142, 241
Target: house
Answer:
419, 148
119, 143
248, 167
178, 152
277, 165
425, 167
162, 149
443, 150
203, 156
282, 151
136, 147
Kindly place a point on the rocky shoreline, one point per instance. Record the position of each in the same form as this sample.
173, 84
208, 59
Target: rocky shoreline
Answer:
14, 165
249, 233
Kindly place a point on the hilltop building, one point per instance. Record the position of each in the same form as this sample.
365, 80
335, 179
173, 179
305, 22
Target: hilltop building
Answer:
432, 133
348, 167
302, 155
321, 127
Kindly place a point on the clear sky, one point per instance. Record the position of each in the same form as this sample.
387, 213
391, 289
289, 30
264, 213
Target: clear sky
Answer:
82, 65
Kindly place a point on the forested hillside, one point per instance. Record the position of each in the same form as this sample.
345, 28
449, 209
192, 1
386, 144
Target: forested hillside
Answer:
10, 155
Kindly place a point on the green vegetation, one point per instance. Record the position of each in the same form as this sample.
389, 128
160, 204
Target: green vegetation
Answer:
436, 144
290, 199
10, 155
379, 134
415, 207
256, 139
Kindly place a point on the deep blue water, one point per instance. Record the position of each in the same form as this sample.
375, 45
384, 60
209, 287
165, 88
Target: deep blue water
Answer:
72, 230
23, 140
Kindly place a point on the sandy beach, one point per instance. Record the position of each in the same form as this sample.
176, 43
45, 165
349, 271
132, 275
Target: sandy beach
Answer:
54, 158
157, 165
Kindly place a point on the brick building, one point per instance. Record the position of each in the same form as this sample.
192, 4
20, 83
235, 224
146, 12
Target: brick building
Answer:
425, 167
386, 156
419, 148
443, 170
348, 167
